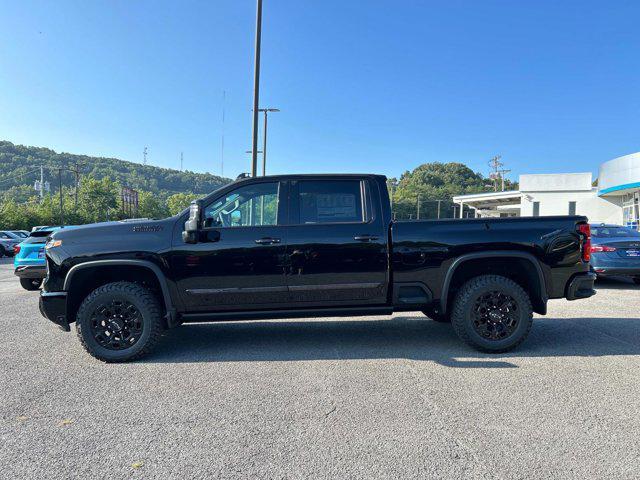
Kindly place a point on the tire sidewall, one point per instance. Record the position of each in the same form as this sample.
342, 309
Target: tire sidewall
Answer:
83, 324
524, 310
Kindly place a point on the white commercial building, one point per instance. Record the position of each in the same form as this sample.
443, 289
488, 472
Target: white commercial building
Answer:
615, 200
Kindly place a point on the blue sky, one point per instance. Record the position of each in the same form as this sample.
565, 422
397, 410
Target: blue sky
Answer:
364, 86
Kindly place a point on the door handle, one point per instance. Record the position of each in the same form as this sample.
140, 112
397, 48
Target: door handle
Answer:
267, 241
365, 238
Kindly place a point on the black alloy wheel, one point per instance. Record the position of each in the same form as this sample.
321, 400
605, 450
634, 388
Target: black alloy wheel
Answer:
116, 324
495, 315
119, 321
492, 313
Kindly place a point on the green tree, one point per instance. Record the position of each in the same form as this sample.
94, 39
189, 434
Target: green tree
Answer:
179, 201
150, 206
98, 199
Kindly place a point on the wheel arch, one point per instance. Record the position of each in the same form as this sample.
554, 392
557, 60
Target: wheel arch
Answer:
90, 275
530, 277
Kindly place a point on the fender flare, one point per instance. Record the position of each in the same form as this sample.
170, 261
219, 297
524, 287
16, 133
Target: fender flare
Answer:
162, 280
492, 254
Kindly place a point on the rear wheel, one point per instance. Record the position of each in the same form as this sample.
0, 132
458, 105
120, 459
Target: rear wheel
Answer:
436, 316
31, 283
492, 313
119, 321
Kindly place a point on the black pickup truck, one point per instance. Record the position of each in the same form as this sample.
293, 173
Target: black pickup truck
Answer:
309, 246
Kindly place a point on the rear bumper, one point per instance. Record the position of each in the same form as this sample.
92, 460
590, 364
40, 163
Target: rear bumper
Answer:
53, 306
31, 271
581, 286
625, 271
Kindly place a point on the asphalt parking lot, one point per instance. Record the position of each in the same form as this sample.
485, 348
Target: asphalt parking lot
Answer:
370, 397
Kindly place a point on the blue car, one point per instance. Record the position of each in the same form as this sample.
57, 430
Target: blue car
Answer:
29, 260
615, 250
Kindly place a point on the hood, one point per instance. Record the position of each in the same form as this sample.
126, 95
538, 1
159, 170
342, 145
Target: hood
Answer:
118, 236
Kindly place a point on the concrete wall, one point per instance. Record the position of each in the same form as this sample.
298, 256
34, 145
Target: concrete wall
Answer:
555, 182
598, 209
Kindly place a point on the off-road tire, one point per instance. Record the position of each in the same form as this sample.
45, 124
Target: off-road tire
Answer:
143, 299
463, 305
437, 317
31, 283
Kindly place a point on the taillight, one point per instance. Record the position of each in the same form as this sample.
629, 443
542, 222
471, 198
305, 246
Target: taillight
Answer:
585, 230
16, 249
602, 248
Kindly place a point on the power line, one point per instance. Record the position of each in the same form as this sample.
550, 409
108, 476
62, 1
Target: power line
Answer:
20, 175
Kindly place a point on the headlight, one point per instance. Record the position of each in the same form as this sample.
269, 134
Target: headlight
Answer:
53, 243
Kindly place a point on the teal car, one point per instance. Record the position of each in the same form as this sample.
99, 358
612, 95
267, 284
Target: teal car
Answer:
29, 261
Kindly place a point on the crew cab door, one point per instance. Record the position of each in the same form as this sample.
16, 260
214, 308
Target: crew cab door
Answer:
238, 262
336, 244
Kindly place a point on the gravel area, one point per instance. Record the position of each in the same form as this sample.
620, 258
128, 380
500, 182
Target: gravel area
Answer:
362, 397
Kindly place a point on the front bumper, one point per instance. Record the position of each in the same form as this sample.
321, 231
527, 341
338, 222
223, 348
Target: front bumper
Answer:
53, 306
581, 286
31, 271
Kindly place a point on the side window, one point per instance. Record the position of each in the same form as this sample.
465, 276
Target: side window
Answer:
248, 206
330, 201
4, 235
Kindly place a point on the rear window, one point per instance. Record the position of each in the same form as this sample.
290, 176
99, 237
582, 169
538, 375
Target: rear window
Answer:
323, 201
614, 232
41, 237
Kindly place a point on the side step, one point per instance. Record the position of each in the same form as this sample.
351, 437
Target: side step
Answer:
277, 314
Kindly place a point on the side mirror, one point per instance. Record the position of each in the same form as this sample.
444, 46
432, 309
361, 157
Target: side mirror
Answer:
191, 226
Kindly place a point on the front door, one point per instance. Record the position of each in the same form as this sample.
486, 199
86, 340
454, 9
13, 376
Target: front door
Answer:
238, 262
336, 244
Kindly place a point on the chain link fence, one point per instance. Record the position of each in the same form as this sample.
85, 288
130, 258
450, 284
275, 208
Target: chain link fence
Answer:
428, 209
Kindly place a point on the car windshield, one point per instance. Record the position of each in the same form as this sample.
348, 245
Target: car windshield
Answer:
21, 234
613, 232
7, 235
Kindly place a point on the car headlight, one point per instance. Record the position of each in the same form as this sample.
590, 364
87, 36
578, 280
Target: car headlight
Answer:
53, 243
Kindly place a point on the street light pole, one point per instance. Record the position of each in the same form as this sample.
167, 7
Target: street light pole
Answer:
264, 140
256, 91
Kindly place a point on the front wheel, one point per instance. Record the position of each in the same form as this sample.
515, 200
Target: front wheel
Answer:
492, 313
31, 283
119, 321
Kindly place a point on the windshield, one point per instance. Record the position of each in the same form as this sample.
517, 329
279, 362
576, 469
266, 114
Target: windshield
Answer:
614, 232
20, 234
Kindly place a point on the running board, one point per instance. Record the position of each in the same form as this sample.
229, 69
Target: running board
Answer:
277, 314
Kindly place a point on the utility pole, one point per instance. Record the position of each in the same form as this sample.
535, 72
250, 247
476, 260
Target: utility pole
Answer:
61, 204
144, 155
41, 182
418, 209
256, 91
181, 160
264, 144
439, 209
224, 98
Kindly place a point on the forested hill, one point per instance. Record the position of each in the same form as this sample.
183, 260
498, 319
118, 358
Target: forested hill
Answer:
20, 168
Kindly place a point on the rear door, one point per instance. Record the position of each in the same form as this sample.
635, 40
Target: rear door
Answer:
336, 243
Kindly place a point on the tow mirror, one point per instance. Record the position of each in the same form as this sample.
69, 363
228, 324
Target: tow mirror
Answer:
192, 225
